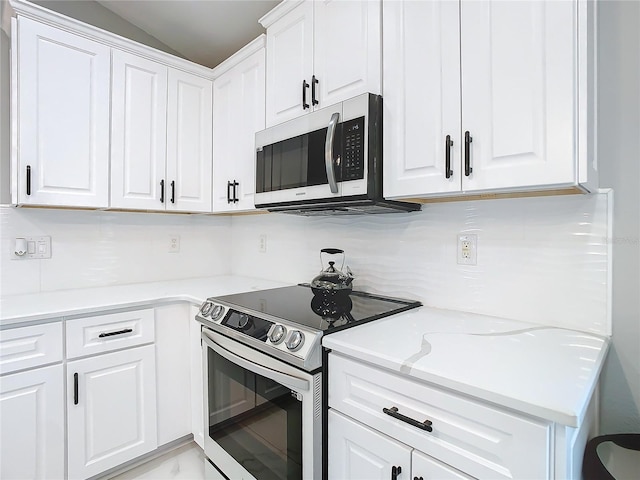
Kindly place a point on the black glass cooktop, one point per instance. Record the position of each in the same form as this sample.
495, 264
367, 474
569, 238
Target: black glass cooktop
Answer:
298, 304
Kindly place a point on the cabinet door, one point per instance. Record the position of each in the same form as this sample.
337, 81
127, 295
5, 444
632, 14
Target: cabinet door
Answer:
518, 97
112, 418
173, 372
32, 427
347, 49
238, 114
426, 467
197, 379
358, 452
63, 118
421, 98
189, 143
225, 120
138, 132
290, 62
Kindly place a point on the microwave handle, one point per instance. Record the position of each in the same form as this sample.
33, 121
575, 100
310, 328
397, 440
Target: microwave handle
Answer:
328, 152
282, 378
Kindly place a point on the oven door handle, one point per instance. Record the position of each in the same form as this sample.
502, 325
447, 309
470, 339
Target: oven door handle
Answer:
282, 378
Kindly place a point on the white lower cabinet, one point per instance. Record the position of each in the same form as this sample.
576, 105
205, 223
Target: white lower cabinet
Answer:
359, 452
32, 424
460, 435
173, 371
111, 410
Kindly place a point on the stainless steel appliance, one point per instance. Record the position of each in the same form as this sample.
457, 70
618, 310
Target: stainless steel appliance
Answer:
262, 357
325, 162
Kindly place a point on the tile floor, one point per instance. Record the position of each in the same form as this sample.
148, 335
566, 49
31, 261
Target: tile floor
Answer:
183, 463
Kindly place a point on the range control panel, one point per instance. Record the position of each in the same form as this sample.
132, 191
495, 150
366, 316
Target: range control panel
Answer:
270, 335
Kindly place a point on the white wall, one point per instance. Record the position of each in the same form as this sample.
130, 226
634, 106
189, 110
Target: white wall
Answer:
97, 248
91, 12
619, 156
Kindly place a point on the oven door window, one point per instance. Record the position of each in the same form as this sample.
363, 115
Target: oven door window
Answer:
255, 420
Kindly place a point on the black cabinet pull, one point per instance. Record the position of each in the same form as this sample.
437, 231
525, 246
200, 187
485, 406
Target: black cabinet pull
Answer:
314, 82
305, 85
229, 185
235, 192
173, 191
418, 478
111, 334
448, 143
75, 388
395, 471
28, 179
467, 154
393, 411
162, 191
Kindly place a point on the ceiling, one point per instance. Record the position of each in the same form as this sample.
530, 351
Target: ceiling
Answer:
204, 31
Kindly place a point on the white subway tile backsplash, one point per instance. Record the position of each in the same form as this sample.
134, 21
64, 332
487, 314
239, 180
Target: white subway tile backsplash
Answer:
99, 248
543, 259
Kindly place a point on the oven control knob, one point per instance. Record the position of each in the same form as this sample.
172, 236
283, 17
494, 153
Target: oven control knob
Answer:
217, 312
244, 321
277, 334
206, 308
295, 340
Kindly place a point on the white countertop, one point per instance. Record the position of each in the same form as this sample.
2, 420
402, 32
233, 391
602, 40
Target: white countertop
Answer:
546, 372
18, 309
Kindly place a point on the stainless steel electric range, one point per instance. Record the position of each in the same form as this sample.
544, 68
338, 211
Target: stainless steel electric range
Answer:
262, 358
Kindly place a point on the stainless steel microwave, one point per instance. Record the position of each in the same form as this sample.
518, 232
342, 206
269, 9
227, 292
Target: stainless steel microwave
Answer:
325, 162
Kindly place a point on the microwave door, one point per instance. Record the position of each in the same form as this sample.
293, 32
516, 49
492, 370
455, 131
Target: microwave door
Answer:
292, 168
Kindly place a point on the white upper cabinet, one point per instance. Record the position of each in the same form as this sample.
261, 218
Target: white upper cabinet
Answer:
421, 102
347, 49
100, 121
484, 96
161, 137
289, 64
189, 142
320, 53
61, 118
138, 132
239, 112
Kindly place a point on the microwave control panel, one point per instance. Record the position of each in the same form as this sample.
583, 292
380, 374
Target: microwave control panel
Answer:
353, 149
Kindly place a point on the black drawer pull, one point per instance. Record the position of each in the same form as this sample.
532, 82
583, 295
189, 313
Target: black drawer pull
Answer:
418, 478
75, 388
111, 334
173, 191
395, 471
393, 411
162, 191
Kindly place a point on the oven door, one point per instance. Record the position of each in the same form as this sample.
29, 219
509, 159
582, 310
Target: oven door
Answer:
262, 416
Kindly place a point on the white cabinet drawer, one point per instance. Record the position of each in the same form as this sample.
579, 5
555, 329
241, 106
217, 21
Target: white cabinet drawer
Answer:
473, 437
104, 333
27, 347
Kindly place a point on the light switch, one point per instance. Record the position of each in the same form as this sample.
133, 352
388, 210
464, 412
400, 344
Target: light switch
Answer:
31, 247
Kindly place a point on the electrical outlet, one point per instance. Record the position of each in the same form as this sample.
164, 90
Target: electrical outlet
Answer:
174, 243
262, 243
467, 249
